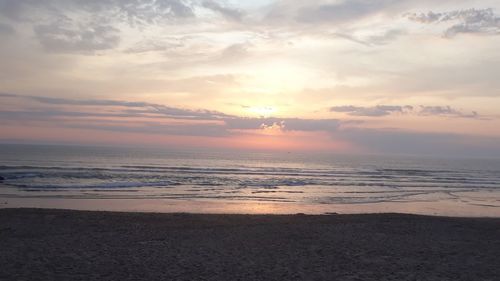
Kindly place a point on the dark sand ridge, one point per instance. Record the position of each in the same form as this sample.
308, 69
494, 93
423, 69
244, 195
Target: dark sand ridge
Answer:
37, 244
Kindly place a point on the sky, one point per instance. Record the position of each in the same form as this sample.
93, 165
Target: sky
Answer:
359, 76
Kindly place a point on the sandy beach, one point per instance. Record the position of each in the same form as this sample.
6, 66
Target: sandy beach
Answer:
43, 244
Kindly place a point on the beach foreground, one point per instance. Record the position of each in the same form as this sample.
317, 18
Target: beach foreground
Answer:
42, 244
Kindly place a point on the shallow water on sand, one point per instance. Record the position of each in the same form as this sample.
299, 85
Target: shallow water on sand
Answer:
229, 182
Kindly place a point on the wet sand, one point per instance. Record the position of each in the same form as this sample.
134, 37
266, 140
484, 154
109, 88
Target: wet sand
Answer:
42, 244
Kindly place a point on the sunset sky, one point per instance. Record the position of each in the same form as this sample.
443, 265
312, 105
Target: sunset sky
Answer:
360, 76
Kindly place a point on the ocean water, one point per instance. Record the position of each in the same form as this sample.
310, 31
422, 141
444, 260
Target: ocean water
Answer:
139, 179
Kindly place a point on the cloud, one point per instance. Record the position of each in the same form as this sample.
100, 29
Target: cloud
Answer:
384, 110
341, 11
385, 37
100, 111
101, 121
275, 127
150, 11
159, 45
352, 38
73, 26
16, 9
155, 119
235, 52
326, 13
133, 12
473, 21
232, 14
145, 107
381, 38
113, 115
139, 109
156, 128
6, 29
446, 111
127, 109
71, 37
375, 111
287, 124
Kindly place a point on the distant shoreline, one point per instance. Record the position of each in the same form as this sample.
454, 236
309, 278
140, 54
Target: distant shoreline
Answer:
52, 244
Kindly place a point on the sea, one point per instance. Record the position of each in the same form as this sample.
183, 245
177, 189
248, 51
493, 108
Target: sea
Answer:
203, 181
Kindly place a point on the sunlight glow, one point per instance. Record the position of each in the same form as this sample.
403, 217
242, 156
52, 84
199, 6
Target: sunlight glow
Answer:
261, 111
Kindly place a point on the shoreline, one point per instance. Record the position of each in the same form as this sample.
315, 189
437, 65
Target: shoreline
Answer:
52, 244
153, 205
176, 213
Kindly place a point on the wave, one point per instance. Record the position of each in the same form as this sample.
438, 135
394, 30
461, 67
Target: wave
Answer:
145, 175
